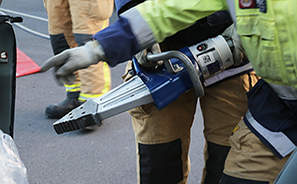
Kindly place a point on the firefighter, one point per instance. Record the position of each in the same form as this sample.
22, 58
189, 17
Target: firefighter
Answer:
171, 126
264, 139
71, 23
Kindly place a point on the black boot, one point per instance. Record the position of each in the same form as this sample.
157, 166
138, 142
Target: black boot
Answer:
57, 111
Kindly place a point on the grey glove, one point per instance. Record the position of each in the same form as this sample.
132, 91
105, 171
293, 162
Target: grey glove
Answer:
141, 56
238, 52
74, 59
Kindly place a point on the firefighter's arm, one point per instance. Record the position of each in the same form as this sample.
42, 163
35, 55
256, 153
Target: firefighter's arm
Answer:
151, 22
166, 17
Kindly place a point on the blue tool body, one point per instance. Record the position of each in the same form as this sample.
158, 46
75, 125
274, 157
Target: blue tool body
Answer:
166, 87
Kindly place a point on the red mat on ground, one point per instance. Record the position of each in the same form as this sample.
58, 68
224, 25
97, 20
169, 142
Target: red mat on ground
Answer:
25, 65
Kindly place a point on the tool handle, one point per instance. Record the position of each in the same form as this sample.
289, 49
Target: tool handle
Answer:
165, 56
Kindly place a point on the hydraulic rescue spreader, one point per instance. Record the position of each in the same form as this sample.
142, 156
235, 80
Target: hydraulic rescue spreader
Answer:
181, 70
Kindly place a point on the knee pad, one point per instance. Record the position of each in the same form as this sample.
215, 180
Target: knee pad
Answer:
161, 163
59, 43
215, 163
226, 179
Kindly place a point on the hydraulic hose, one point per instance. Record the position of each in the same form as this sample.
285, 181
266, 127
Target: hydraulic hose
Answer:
2, 12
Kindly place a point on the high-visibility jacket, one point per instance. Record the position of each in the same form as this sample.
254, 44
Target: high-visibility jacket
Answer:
268, 33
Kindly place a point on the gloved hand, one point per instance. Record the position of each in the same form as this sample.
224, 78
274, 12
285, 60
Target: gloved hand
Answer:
74, 59
141, 56
238, 51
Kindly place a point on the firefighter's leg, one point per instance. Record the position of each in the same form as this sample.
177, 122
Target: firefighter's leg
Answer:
223, 106
249, 160
59, 25
163, 139
89, 17
60, 30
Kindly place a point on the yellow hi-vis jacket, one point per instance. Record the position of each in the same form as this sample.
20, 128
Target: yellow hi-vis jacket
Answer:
269, 35
268, 30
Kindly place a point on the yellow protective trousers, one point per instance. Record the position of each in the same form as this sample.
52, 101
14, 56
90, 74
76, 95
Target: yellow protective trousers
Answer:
223, 106
163, 136
250, 159
72, 23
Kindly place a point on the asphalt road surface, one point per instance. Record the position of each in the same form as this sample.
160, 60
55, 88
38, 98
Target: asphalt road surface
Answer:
104, 154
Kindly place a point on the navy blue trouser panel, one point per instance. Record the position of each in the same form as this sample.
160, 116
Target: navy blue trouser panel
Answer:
226, 179
59, 43
215, 163
161, 163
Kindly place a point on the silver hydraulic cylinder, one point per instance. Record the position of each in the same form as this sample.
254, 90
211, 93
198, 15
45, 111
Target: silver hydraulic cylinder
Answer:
130, 94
